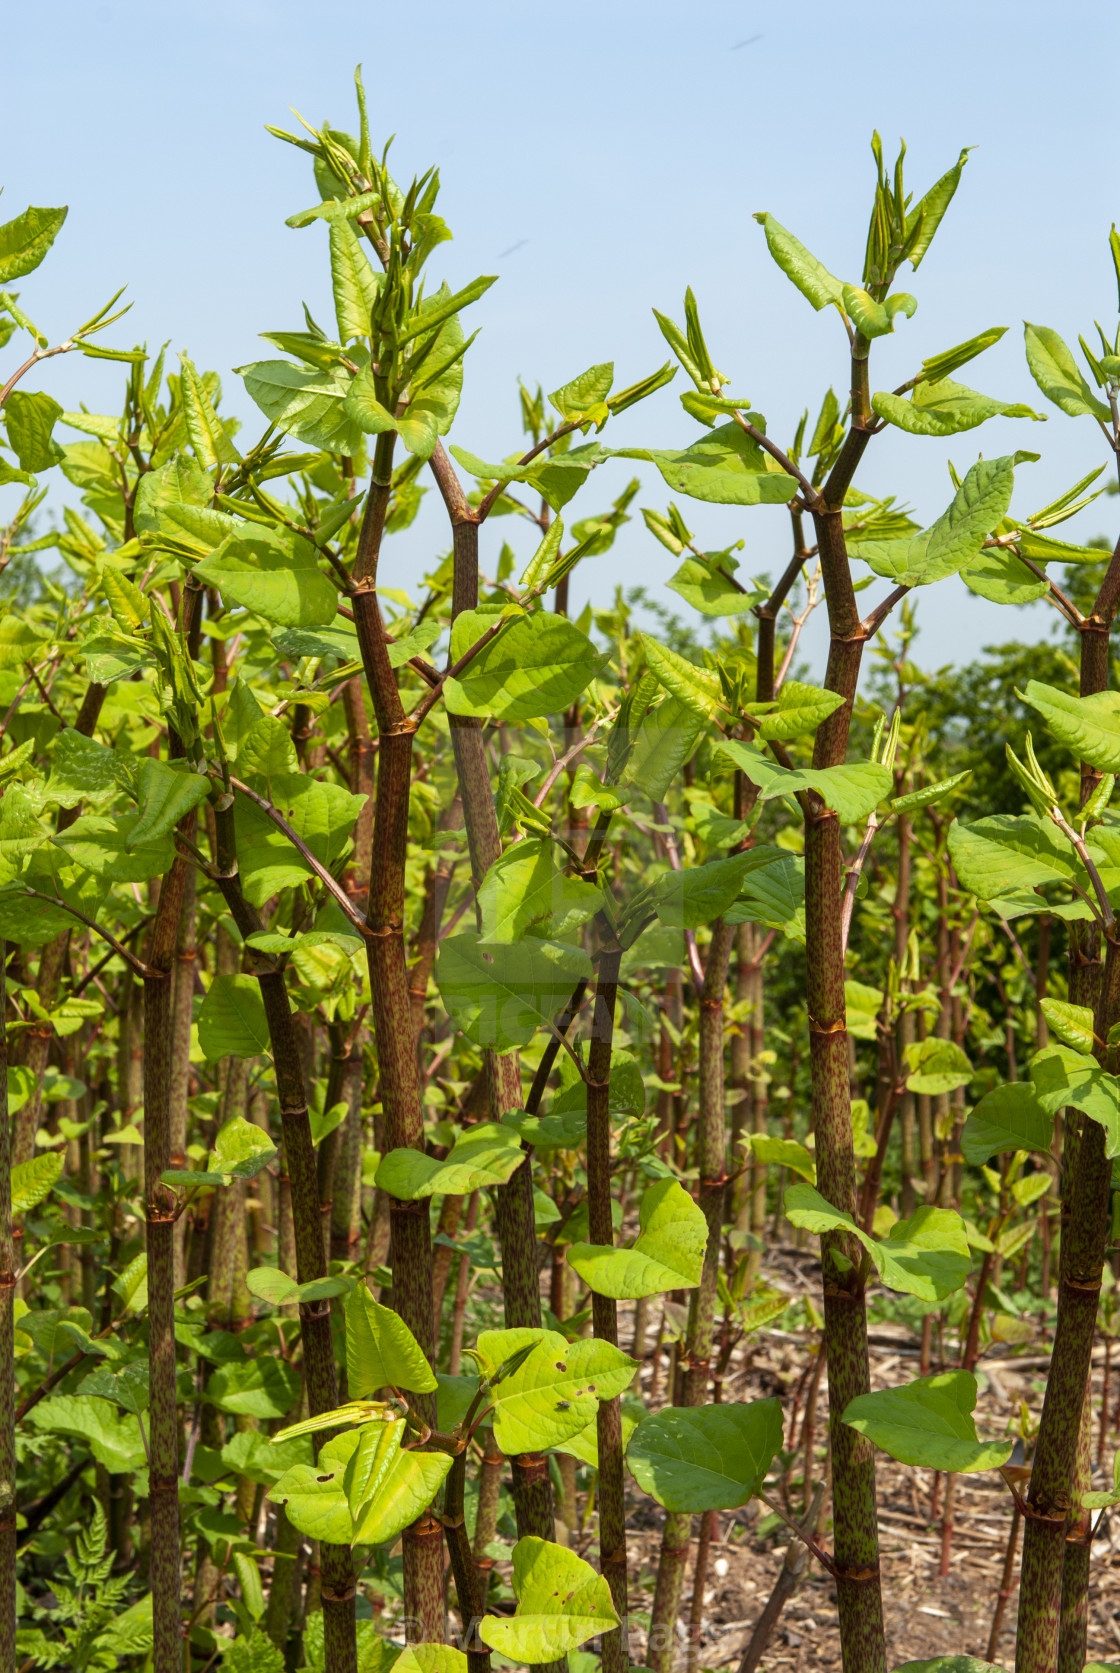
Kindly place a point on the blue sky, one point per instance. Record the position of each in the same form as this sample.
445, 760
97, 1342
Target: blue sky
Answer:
599, 157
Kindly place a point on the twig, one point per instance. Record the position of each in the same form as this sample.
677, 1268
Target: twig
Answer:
334, 889
137, 964
800, 1533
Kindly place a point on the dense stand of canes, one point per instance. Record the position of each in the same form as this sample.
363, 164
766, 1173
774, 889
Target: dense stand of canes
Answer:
423, 1013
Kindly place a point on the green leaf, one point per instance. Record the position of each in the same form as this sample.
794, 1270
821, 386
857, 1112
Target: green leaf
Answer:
812, 278
232, 1021
561, 1603
697, 688
209, 437
1089, 726
321, 813
1073, 1024
430, 1658
585, 396
271, 1285
853, 791
275, 575
21, 832
969, 1664
112, 1437
388, 1488
255, 1654
1008, 1117
426, 318
129, 1387
25, 241
926, 1256
314, 1495
725, 467
936, 1066
525, 892
549, 1132
1004, 852
306, 405
928, 1423
703, 584
978, 507
264, 1387
130, 1633
1044, 549
707, 1458
772, 893
998, 575
626, 1096
538, 665
482, 1156
1061, 1076
784, 1153
35, 1179
500, 995
862, 1005
951, 360
557, 476
241, 1149
931, 208
554, 1392
872, 318
929, 795
799, 710
1058, 376
166, 794
28, 922
667, 1254
381, 1351
695, 896
416, 424
945, 408
665, 740
356, 287
30, 419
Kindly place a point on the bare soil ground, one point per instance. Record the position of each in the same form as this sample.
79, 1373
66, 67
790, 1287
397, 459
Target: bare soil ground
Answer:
926, 1615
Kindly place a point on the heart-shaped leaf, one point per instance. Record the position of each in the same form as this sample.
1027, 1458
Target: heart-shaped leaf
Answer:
484, 1155
561, 1603
667, 1254
381, 1351
926, 1256
388, 1488
928, 1423
707, 1457
554, 1391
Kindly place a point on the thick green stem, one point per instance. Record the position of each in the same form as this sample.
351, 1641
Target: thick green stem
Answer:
338, 1585
856, 1537
1065, 1590
1073, 1634
410, 1239
612, 1501
52, 961
696, 1354
1052, 1485
163, 1426
470, 1586
281, 1593
489, 1493
423, 1583
711, 1159
228, 1298
516, 1220
182, 994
